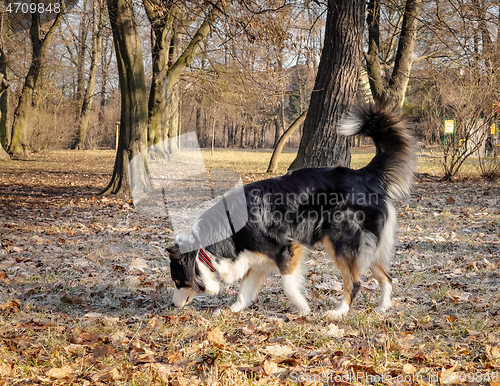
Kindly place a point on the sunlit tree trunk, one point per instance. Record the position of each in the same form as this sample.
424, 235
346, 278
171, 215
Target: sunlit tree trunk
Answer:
134, 103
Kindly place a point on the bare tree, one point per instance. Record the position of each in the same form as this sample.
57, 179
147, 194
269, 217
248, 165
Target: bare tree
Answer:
40, 45
335, 87
400, 75
169, 62
88, 98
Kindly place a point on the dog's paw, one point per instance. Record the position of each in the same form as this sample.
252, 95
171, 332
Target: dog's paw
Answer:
304, 310
338, 312
382, 309
237, 307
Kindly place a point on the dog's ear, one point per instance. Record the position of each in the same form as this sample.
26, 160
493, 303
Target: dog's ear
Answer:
173, 251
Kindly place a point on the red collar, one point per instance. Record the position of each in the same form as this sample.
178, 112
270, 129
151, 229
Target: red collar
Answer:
202, 255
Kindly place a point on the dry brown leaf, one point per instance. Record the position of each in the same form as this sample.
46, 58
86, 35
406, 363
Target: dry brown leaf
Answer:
492, 353
138, 264
248, 330
448, 376
334, 331
10, 307
270, 367
60, 373
163, 371
7, 370
408, 368
107, 375
103, 351
216, 337
278, 350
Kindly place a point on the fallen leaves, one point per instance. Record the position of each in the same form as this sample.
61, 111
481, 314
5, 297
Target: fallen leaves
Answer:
216, 337
61, 373
10, 307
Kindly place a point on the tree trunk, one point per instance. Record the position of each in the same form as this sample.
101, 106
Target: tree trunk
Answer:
132, 138
4, 87
97, 26
335, 87
105, 63
161, 18
273, 163
4, 104
81, 45
400, 77
372, 57
19, 143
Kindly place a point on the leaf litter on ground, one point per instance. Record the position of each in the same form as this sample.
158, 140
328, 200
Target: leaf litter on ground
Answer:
85, 294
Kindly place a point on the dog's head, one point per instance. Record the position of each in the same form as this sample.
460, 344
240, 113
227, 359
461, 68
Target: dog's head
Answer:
185, 275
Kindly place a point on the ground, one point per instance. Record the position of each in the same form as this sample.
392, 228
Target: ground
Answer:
85, 292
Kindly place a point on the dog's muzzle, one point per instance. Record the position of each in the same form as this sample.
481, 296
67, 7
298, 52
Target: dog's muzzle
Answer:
183, 296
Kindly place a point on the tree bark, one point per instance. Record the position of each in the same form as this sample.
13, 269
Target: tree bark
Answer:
4, 105
18, 143
4, 87
273, 163
373, 55
105, 63
132, 138
88, 98
161, 16
398, 83
335, 87
81, 48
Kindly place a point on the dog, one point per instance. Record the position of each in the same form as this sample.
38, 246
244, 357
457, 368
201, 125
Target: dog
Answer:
349, 211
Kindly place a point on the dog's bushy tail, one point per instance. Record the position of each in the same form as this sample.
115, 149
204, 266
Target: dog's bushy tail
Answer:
395, 161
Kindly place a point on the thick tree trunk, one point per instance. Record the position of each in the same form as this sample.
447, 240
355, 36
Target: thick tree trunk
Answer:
400, 77
18, 143
273, 163
88, 99
335, 87
134, 104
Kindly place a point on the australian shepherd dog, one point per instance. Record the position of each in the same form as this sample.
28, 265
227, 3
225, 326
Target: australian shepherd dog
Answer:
349, 211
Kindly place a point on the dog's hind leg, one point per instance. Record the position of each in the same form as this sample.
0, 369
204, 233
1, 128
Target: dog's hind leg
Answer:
249, 287
293, 279
385, 282
381, 263
350, 275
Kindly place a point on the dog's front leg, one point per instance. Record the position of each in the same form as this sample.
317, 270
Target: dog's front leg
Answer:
249, 287
292, 286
